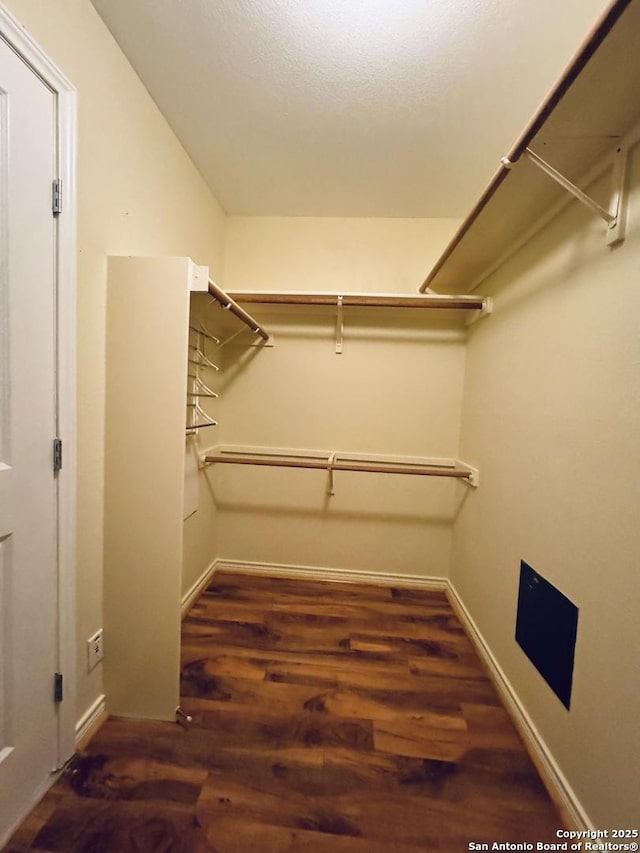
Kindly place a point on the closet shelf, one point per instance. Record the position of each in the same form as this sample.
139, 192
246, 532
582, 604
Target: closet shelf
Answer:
335, 461
365, 300
198, 389
231, 305
581, 129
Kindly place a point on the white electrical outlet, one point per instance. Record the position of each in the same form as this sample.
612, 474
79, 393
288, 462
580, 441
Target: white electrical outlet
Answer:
95, 650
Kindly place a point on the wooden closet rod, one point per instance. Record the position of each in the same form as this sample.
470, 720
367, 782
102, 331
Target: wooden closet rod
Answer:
584, 53
368, 300
326, 465
227, 302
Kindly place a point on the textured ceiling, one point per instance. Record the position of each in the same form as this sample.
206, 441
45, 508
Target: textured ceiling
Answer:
348, 107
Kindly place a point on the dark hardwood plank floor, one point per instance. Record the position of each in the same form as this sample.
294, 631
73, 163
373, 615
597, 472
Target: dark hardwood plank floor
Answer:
326, 717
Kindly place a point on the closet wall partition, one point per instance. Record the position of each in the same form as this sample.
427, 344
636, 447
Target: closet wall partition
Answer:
146, 358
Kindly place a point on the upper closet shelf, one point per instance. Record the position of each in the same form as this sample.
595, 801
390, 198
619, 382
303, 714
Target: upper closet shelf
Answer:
366, 300
580, 131
479, 304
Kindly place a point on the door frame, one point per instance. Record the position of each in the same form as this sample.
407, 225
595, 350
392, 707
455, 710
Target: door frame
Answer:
18, 39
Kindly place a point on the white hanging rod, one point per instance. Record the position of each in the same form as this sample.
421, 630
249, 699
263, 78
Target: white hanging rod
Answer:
332, 462
366, 300
231, 305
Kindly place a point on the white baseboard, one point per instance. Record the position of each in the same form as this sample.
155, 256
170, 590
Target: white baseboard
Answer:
91, 720
190, 596
554, 780
329, 574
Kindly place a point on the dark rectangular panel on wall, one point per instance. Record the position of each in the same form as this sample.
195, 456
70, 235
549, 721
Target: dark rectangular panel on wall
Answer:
546, 629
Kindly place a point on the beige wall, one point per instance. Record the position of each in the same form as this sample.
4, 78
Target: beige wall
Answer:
551, 416
301, 395
395, 390
307, 253
138, 194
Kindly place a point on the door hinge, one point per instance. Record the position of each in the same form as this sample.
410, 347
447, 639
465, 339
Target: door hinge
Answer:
57, 455
56, 197
57, 687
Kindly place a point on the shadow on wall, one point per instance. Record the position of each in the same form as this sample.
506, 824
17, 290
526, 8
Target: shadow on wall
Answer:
385, 512
243, 356
551, 259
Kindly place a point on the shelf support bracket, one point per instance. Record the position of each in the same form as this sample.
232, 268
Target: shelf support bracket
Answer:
612, 217
339, 327
474, 474
618, 228
331, 488
486, 309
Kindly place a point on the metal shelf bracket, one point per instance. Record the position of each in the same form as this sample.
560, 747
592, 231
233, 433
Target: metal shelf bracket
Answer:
339, 327
618, 228
474, 474
331, 487
486, 309
614, 217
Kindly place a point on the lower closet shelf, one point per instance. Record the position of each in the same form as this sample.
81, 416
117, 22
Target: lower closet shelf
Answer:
338, 461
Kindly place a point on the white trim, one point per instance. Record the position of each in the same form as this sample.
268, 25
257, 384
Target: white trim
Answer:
67, 261
16, 36
91, 718
190, 596
329, 574
35, 798
13, 31
555, 781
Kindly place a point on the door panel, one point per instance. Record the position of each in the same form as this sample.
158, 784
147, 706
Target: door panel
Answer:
28, 514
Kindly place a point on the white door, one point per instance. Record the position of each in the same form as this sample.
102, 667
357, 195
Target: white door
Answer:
28, 502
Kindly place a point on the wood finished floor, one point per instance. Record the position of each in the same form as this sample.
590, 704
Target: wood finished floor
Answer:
326, 717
